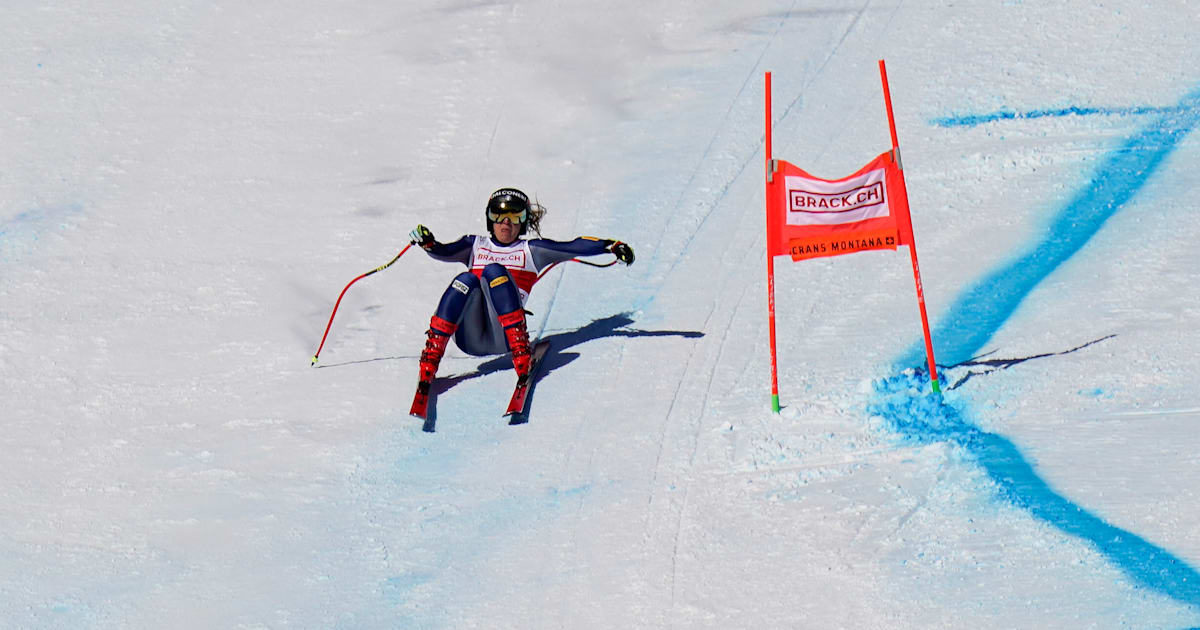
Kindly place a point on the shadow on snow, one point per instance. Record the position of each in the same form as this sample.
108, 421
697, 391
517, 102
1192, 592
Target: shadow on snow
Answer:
556, 357
977, 366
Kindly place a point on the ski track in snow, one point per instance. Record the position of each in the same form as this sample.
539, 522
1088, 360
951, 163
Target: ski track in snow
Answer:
984, 308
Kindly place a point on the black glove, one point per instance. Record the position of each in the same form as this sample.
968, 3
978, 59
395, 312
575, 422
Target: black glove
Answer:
423, 237
623, 252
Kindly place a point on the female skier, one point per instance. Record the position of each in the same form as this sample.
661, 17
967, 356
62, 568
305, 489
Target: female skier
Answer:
483, 309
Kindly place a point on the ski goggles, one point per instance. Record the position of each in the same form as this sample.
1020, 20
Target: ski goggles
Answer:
501, 213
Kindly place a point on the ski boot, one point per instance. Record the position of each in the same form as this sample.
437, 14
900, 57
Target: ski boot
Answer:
436, 339
517, 336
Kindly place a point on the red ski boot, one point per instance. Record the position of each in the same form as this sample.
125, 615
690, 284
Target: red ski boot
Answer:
517, 337
436, 338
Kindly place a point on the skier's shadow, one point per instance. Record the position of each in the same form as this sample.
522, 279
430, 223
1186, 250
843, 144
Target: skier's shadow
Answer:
556, 357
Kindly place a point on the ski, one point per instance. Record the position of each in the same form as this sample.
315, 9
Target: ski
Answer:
516, 405
420, 405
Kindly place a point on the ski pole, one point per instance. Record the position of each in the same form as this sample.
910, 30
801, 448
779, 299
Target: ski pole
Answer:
590, 264
339, 300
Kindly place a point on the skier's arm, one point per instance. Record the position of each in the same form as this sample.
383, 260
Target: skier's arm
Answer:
547, 252
458, 251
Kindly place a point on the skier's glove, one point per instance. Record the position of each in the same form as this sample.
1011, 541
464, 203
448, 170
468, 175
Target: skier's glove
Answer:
623, 252
423, 237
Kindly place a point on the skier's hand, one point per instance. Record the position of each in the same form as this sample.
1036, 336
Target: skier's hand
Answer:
622, 251
422, 236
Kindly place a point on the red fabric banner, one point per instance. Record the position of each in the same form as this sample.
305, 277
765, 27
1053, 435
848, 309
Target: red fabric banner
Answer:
810, 217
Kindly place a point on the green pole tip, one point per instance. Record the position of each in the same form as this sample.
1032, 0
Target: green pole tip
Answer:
937, 388
775, 403
314, 360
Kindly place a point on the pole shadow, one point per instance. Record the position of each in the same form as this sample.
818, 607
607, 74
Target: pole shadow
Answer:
976, 366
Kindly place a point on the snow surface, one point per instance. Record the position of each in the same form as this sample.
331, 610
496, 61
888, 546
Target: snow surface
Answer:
185, 187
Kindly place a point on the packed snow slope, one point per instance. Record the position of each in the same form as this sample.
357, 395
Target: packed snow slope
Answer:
185, 187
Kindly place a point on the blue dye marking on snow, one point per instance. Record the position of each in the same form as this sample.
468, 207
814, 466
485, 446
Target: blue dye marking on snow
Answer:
397, 589
444, 532
973, 120
1096, 392
983, 308
555, 494
922, 419
19, 233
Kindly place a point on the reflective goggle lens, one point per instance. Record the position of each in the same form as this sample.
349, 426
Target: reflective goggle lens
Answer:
513, 216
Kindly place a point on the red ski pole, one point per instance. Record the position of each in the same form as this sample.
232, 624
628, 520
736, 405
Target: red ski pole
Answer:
339, 300
590, 264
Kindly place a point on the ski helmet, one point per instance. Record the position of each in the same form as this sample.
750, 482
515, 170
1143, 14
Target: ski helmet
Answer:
508, 202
